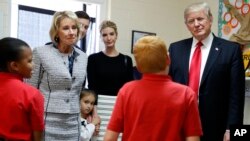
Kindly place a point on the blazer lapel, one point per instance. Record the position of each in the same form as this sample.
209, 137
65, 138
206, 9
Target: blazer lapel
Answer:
186, 55
212, 57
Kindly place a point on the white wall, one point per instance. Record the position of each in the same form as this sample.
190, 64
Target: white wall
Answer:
164, 17
4, 18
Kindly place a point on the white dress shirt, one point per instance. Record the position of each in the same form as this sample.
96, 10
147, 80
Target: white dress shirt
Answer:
205, 49
87, 130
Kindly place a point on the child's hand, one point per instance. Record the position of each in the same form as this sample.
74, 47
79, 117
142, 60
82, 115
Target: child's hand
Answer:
97, 130
96, 121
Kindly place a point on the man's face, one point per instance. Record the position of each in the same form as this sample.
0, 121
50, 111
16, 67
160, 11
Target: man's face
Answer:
84, 25
199, 24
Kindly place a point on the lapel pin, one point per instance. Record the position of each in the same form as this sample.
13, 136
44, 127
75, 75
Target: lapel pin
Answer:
216, 49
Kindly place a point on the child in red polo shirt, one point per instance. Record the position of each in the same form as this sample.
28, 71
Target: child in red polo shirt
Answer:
22, 105
154, 108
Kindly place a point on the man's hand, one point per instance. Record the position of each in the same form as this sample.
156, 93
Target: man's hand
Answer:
227, 136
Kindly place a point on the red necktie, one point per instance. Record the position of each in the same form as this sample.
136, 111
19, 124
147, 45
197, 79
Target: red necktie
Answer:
194, 72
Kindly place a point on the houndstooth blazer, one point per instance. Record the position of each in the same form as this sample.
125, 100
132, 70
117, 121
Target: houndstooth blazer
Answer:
51, 76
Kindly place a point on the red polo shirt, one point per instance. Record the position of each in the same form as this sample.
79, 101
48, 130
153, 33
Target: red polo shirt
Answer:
155, 109
22, 108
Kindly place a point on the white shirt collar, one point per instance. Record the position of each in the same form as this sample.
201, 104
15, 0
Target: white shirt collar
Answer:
207, 42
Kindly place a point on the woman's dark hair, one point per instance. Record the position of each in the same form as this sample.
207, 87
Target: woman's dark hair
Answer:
10, 50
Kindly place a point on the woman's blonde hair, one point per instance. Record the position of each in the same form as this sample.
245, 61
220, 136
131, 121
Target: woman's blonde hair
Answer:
57, 18
151, 54
108, 23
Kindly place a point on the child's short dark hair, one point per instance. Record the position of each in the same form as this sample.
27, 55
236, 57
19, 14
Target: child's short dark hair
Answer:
88, 92
10, 50
82, 14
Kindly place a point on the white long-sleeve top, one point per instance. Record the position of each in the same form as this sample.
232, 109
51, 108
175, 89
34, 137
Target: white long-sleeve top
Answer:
87, 130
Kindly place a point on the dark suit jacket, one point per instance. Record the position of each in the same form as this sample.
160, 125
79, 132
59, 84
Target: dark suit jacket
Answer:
222, 87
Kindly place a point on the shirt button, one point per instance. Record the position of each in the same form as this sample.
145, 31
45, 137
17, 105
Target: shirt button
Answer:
66, 100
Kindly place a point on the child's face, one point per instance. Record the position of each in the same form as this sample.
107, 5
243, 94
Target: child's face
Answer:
24, 65
87, 104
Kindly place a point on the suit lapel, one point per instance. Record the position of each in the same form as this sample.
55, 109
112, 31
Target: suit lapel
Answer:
186, 55
212, 57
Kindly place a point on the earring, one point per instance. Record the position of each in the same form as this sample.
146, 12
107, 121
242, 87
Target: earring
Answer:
57, 39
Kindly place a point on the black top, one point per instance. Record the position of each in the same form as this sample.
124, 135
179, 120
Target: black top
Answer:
106, 75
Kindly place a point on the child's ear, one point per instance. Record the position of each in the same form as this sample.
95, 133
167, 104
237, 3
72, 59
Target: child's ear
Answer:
13, 66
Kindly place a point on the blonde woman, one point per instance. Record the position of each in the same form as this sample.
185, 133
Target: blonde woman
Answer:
59, 73
109, 69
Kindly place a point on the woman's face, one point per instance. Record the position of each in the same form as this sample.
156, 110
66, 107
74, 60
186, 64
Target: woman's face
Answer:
109, 37
67, 32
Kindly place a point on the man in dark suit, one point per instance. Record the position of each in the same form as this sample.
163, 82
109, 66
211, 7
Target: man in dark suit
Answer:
221, 77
